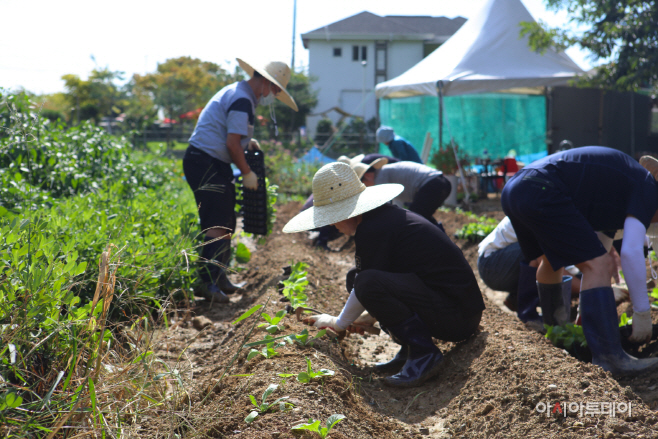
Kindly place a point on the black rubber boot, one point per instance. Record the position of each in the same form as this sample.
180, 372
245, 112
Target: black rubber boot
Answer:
527, 299
396, 363
555, 300
424, 358
601, 328
222, 256
213, 294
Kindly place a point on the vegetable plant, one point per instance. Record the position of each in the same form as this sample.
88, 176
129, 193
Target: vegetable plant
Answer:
269, 351
314, 425
566, 336
295, 286
264, 407
272, 325
309, 375
303, 339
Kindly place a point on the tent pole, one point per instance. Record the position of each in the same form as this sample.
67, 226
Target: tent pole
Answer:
439, 86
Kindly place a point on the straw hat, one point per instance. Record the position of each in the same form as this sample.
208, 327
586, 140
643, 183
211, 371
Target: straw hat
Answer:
338, 194
277, 73
351, 161
362, 168
650, 164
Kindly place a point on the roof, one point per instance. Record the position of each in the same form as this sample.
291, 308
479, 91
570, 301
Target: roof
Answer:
366, 25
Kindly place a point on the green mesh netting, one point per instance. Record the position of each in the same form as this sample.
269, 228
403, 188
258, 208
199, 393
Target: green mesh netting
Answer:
495, 122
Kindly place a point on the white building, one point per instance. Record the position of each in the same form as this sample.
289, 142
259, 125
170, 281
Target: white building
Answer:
351, 56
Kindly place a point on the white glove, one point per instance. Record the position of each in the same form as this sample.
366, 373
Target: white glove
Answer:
324, 321
642, 327
254, 145
250, 181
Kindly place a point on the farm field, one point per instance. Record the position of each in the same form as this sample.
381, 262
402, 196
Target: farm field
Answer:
489, 387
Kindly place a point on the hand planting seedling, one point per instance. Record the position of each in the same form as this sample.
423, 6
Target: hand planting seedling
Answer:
309, 375
273, 326
265, 407
268, 351
303, 338
314, 425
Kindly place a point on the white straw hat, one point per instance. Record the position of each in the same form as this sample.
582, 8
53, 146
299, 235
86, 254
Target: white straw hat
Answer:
276, 72
650, 164
338, 194
351, 161
362, 168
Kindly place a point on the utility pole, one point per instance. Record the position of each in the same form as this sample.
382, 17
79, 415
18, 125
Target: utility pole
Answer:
294, 25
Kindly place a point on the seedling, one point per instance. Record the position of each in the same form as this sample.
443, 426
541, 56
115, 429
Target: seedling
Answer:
273, 326
265, 407
309, 375
566, 336
314, 425
624, 320
303, 338
294, 287
268, 351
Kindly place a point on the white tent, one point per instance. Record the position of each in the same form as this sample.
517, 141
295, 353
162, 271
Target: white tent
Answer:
484, 55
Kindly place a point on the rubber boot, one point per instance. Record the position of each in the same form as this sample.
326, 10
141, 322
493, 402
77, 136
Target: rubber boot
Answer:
555, 300
424, 358
223, 256
601, 329
212, 293
396, 363
527, 297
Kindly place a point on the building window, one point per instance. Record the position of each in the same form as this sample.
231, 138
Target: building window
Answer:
355, 53
338, 51
364, 53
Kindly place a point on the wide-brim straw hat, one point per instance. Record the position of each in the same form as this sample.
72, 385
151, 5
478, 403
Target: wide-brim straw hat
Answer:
276, 72
650, 164
351, 161
362, 168
338, 194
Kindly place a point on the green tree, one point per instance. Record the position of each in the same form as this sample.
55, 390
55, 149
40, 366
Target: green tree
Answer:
306, 99
97, 97
183, 84
625, 32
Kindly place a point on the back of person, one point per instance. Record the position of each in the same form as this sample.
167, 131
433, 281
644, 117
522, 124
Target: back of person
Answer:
409, 174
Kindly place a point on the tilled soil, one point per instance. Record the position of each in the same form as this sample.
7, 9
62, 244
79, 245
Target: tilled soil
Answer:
492, 385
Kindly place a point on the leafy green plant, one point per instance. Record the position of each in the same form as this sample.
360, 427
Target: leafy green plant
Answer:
475, 232
314, 425
264, 407
295, 286
309, 375
624, 320
269, 351
304, 338
272, 325
444, 159
566, 336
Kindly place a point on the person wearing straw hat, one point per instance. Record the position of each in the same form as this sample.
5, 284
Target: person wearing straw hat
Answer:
410, 276
222, 134
556, 205
400, 147
425, 189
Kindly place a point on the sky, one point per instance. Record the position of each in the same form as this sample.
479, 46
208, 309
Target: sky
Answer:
41, 40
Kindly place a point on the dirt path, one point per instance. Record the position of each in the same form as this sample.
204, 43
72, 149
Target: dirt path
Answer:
491, 385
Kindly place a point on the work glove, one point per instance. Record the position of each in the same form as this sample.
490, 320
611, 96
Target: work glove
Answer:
250, 181
324, 321
254, 145
642, 327
363, 320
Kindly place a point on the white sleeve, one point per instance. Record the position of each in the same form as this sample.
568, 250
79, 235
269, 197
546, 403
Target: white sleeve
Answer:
633, 263
351, 311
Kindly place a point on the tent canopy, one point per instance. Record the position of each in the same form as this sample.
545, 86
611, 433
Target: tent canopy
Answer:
485, 55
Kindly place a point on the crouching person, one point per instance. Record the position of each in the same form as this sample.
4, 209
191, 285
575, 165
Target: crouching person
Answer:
410, 276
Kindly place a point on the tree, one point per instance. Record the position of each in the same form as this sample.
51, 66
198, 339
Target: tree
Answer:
623, 31
183, 84
97, 97
289, 120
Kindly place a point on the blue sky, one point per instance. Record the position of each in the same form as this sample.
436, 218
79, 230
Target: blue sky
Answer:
42, 40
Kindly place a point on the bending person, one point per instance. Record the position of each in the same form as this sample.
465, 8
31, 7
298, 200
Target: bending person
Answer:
410, 276
400, 147
556, 205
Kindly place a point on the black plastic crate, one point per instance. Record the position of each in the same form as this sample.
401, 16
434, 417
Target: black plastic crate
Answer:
254, 203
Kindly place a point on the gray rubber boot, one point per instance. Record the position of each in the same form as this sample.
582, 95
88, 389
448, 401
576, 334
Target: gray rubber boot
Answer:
555, 301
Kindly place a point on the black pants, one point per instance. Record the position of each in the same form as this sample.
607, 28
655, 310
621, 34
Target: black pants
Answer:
211, 180
394, 297
430, 197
